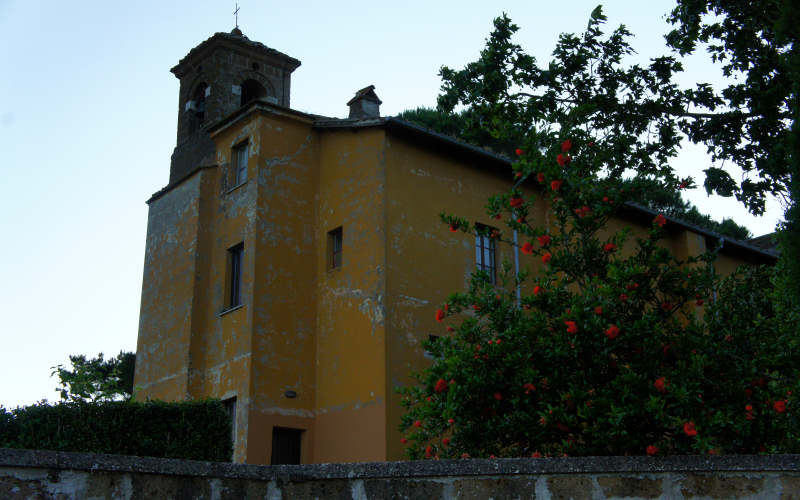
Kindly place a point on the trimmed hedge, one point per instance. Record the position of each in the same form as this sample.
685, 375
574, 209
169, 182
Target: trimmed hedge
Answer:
195, 430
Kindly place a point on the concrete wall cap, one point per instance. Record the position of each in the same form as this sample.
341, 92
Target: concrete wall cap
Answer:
471, 467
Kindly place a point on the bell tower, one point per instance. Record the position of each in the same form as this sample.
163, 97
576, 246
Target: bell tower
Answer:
218, 77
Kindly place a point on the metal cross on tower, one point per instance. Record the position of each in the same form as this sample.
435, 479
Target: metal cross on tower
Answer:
236, 13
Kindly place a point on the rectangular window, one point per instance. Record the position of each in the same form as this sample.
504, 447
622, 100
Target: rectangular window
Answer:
240, 164
235, 255
286, 446
485, 252
335, 248
230, 407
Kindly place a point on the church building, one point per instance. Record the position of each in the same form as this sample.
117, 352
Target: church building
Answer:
294, 262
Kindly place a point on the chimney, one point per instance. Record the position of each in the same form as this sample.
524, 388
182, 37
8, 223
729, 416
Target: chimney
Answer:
365, 104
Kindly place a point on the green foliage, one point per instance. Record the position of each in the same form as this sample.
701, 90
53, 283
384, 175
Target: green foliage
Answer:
97, 379
756, 42
194, 430
463, 125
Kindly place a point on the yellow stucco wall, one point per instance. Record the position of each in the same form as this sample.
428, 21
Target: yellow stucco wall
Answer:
342, 339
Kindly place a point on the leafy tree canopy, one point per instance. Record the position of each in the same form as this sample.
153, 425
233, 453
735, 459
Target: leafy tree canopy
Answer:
97, 379
758, 42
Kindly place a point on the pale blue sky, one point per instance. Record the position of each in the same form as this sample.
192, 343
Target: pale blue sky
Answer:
88, 110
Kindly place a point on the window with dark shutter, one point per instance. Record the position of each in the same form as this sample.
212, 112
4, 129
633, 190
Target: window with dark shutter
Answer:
235, 255
335, 248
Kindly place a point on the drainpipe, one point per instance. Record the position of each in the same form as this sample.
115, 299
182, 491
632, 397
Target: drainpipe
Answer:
516, 268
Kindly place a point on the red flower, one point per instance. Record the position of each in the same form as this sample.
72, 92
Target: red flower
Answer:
571, 327
544, 240
590, 143
563, 160
446, 441
439, 315
441, 385
540, 178
566, 146
699, 302
450, 329
598, 310
417, 423
537, 290
465, 455
546, 257
536, 454
529, 388
682, 185
660, 220
453, 228
497, 216
652, 450
519, 152
518, 175
451, 421
515, 202
527, 248
498, 396
660, 384
612, 332
556, 185
428, 450
609, 247
476, 307
632, 286
605, 199
404, 440
689, 430
779, 406
623, 297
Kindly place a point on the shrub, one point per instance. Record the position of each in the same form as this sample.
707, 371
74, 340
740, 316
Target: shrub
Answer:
605, 353
197, 430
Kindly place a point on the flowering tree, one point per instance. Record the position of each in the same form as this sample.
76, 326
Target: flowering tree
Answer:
605, 353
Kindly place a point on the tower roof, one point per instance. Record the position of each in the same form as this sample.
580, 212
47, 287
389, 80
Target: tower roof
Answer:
238, 42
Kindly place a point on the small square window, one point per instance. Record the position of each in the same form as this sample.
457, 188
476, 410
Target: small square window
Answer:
335, 248
431, 338
235, 255
485, 251
240, 154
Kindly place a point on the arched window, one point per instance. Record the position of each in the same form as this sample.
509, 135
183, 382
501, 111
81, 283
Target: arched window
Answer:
251, 89
199, 99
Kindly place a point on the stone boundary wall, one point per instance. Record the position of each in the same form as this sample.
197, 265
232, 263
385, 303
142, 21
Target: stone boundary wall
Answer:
61, 475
